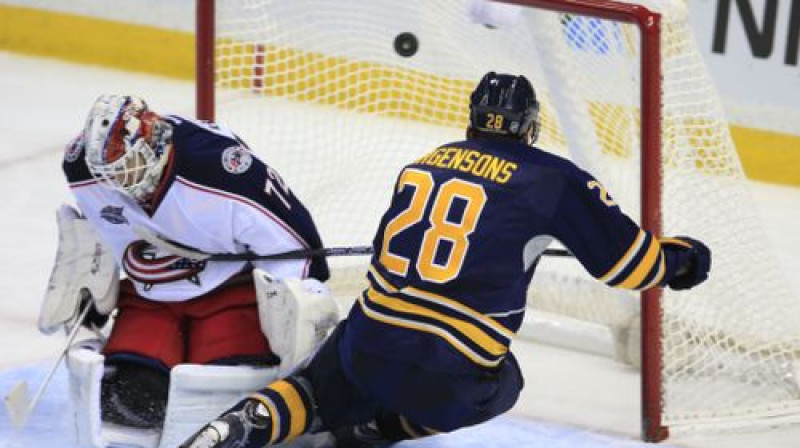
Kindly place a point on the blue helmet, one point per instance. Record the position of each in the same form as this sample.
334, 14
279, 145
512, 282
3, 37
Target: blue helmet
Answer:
504, 105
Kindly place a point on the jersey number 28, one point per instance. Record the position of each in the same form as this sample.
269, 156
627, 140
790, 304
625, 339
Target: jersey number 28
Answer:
440, 227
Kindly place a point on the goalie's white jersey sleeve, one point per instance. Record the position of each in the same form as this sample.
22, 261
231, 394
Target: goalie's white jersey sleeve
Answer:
217, 197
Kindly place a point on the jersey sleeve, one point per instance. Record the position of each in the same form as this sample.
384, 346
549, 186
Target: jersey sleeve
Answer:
269, 218
608, 243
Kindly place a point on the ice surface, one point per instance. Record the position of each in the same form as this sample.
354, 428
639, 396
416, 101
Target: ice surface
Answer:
43, 106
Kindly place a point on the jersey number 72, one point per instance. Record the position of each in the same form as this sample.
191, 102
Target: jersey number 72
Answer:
440, 228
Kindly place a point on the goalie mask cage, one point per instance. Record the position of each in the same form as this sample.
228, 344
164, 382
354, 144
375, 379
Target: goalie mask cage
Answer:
339, 95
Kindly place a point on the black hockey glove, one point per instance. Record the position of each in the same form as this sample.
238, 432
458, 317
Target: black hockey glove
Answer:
696, 258
94, 318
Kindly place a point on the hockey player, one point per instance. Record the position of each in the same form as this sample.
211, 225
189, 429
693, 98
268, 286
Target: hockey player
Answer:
193, 184
425, 349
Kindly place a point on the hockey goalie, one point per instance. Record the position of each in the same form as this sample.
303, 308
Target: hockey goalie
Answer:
179, 338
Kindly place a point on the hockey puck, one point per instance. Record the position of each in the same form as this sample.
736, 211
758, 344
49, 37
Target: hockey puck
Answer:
406, 44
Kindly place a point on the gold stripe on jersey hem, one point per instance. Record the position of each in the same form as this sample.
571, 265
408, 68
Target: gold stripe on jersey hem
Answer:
429, 328
383, 283
468, 329
456, 306
442, 301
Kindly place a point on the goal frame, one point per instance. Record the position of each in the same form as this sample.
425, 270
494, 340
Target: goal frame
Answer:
649, 25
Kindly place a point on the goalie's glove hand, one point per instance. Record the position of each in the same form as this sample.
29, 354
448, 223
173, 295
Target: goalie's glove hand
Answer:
94, 318
248, 424
695, 259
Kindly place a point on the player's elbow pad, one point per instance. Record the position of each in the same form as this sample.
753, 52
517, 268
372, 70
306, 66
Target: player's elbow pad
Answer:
693, 261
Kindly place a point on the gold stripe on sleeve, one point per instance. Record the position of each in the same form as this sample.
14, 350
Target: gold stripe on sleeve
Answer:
644, 267
623, 262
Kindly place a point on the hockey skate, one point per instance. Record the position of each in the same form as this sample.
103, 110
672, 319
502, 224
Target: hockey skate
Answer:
249, 426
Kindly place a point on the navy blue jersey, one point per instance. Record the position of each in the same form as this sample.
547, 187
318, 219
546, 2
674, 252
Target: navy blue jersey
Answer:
456, 250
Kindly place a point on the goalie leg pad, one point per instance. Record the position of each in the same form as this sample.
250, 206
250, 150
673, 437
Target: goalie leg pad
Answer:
85, 366
296, 315
199, 393
86, 369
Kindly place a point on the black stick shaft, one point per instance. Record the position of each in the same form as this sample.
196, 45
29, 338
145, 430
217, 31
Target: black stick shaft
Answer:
333, 252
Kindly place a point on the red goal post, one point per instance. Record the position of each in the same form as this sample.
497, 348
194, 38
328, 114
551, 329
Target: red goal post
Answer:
649, 24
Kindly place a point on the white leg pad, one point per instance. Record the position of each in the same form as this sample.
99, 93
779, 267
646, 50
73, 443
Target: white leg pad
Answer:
85, 365
296, 315
85, 372
199, 393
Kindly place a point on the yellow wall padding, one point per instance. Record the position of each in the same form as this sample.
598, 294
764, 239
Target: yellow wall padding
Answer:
89, 40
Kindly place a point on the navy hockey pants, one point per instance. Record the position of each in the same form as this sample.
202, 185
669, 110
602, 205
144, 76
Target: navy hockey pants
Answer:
353, 387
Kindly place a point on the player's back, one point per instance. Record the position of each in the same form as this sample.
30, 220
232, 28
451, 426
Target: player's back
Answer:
456, 250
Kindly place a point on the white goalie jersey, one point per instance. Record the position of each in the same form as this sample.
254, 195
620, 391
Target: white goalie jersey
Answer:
215, 197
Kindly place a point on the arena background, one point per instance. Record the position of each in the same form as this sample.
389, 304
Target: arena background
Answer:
751, 48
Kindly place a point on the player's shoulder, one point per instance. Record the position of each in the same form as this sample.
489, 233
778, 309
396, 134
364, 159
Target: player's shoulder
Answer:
545, 159
210, 154
200, 138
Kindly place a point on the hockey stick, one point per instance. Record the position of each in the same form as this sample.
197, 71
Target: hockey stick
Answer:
194, 254
19, 404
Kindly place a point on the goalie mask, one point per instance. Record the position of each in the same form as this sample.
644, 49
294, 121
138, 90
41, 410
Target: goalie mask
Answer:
126, 144
504, 105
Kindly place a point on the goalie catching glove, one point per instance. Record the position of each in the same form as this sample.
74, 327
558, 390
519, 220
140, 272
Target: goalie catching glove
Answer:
84, 274
696, 261
296, 315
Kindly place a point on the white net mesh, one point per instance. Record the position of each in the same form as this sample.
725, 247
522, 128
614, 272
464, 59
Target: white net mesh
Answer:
318, 89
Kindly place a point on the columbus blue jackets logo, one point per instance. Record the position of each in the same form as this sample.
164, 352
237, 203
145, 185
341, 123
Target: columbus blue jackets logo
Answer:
145, 264
236, 159
113, 215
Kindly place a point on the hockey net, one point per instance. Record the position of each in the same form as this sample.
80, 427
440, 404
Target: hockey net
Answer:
338, 96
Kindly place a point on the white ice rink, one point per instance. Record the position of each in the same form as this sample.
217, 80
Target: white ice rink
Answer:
42, 106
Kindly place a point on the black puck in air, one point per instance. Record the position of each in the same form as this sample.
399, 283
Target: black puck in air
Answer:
406, 44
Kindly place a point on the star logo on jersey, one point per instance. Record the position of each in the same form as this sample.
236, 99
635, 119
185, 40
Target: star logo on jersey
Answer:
113, 215
236, 159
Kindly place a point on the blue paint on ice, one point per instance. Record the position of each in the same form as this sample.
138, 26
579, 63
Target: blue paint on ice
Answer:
51, 424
